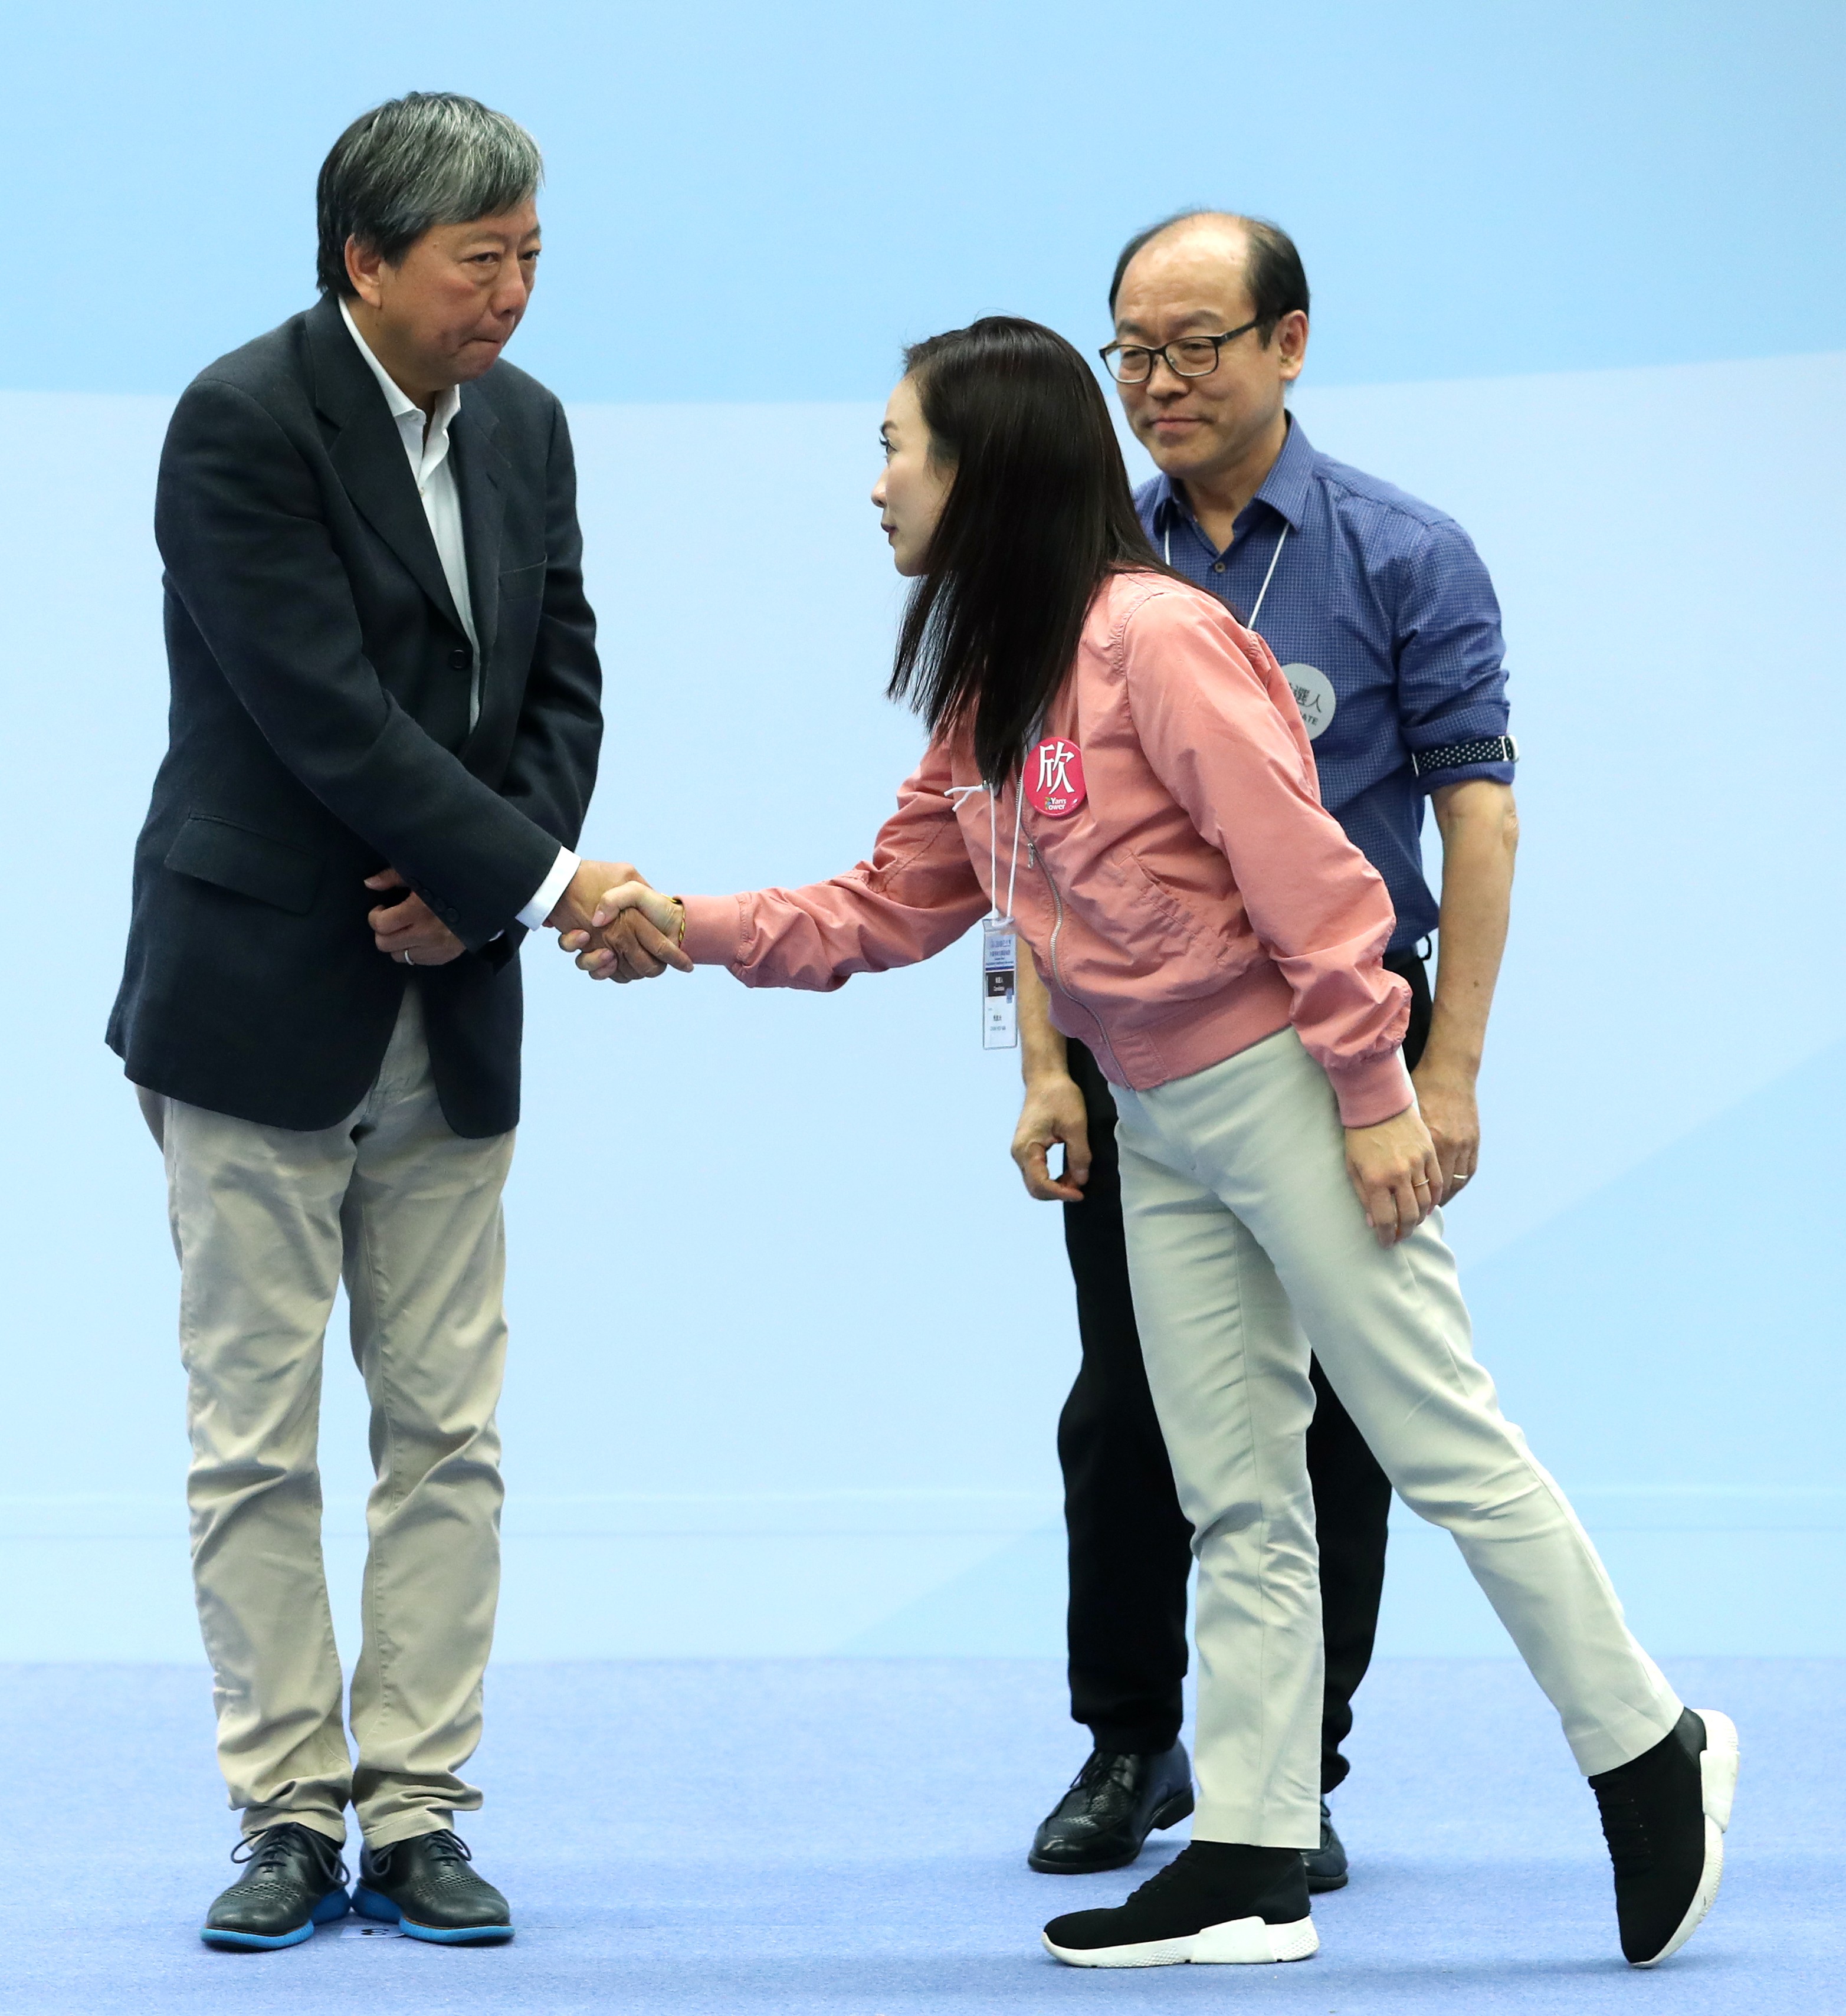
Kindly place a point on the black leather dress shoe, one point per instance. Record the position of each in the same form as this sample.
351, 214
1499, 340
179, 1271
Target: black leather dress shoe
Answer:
1114, 1802
425, 1886
1326, 1864
294, 1881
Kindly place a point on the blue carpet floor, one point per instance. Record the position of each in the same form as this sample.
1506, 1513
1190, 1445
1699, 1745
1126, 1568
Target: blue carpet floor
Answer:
846, 1837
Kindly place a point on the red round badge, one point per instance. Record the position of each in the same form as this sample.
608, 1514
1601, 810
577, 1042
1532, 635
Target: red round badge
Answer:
1054, 778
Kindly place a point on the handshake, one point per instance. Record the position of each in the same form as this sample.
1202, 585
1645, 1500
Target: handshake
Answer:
618, 925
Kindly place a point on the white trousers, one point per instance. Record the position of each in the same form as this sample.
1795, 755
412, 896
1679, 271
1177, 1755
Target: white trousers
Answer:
265, 1220
1245, 1242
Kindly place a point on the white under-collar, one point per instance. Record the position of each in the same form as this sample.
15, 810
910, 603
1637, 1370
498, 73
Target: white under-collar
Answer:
400, 402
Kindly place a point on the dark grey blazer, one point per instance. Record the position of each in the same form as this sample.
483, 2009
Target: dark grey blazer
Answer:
319, 732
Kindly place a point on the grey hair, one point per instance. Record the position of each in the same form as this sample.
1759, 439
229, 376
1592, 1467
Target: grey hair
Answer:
428, 157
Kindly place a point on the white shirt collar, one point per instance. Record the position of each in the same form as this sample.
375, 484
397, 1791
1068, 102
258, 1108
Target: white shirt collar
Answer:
401, 405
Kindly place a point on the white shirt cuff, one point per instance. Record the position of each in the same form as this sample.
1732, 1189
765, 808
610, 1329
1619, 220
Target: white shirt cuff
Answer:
545, 899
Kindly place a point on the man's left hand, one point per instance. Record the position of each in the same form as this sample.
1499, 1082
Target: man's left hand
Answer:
1450, 1113
410, 926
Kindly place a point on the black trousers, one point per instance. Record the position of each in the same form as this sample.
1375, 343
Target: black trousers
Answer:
1131, 1546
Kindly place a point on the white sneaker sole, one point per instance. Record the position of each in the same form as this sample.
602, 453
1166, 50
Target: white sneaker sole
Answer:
1718, 1778
1237, 1942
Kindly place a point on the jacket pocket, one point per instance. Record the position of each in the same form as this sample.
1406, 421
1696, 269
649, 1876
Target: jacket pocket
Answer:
1189, 951
251, 864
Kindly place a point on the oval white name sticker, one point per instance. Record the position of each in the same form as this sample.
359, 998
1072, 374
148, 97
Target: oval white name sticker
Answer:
1314, 695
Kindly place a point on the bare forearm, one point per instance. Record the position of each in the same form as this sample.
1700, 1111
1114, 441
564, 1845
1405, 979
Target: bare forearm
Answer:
1054, 1109
1042, 1052
1479, 827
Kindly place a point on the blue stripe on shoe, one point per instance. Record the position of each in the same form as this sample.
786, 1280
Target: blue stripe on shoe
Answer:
256, 1942
457, 1935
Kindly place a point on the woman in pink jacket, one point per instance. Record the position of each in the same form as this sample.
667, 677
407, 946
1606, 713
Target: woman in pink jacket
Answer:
1119, 768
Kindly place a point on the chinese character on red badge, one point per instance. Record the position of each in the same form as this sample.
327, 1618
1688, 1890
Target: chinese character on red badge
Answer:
1054, 778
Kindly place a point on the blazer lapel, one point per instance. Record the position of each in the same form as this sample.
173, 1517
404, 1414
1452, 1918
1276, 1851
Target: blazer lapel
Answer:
480, 469
368, 453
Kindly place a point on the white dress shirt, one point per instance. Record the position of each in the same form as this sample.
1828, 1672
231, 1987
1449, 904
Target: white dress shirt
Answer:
426, 442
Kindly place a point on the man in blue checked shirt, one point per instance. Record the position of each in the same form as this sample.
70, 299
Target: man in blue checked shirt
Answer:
1385, 623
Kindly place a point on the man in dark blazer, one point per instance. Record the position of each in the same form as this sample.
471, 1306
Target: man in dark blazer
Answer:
384, 729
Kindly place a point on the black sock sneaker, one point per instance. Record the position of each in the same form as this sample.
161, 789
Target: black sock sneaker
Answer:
1215, 1901
1664, 1817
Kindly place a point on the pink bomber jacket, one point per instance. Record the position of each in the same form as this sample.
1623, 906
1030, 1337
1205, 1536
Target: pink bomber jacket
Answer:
1200, 898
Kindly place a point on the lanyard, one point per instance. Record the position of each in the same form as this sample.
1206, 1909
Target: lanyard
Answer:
1166, 552
999, 934
994, 913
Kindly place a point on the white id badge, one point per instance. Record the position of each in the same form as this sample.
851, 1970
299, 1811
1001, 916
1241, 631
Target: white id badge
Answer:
999, 983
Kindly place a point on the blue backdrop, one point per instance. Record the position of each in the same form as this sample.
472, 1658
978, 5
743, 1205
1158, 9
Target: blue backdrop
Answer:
790, 1340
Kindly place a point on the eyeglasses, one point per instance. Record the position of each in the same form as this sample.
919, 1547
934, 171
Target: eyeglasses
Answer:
1190, 357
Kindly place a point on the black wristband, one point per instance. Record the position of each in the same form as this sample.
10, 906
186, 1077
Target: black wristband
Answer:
1457, 755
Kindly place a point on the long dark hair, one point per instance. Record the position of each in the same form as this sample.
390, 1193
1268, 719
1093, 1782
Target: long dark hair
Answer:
1039, 513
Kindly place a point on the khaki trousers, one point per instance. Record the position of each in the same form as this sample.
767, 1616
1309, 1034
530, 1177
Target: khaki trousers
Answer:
266, 1221
1243, 1233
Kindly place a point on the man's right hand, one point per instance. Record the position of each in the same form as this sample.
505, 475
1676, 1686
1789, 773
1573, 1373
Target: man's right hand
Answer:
641, 952
1053, 1112
634, 911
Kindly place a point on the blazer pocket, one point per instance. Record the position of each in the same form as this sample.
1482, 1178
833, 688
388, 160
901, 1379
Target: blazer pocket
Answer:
251, 864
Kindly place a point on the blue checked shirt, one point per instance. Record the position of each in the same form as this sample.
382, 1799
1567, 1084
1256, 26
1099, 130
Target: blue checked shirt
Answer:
1385, 624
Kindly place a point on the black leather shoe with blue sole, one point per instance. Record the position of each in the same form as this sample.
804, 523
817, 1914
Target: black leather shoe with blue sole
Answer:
294, 1881
424, 1887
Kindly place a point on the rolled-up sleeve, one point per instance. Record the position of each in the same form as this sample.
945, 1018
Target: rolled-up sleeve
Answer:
1451, 676
917, 894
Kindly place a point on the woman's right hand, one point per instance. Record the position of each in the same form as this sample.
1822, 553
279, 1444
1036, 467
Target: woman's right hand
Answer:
595, 948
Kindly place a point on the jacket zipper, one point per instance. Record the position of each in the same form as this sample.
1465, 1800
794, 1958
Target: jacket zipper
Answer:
1058, 907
